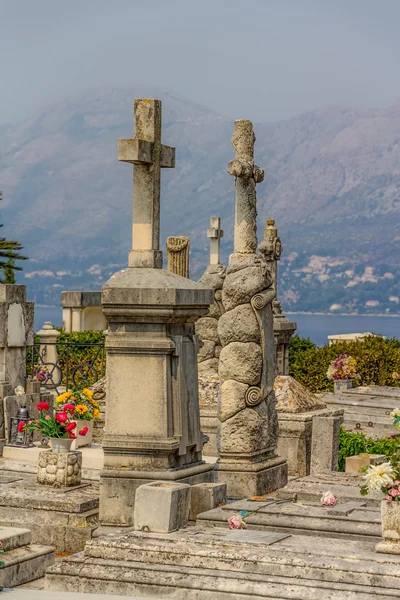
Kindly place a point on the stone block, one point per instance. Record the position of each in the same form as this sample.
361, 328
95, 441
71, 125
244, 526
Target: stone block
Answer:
59, 470
355, 463
14, 537
390, 515
206, 496
161, 507
294, 442
325, 443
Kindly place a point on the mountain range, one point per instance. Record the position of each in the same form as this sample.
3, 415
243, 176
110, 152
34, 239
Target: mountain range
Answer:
332, 183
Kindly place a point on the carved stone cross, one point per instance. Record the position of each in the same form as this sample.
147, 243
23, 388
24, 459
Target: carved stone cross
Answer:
148, 156
215, 233
247, 175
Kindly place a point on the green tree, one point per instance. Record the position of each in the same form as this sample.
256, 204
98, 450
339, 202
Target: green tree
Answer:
9, 253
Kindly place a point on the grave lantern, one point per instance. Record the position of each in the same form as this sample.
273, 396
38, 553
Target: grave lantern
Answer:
22, 439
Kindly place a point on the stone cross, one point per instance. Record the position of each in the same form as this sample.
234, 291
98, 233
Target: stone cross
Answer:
148, 156
247, 175
215, 233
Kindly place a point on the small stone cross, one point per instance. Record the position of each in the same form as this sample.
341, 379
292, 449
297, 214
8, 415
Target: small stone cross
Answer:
148, 156
215, 233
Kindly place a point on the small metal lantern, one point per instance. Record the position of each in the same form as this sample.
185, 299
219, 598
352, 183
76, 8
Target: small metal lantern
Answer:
21, 439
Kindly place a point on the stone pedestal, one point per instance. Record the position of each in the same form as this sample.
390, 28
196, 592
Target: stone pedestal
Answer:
152, 427
59, 470
325, 442
355, 463
390, 514
162, 507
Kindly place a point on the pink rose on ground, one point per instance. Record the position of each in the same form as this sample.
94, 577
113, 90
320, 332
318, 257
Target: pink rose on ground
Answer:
388, 499
328, 499
236, 522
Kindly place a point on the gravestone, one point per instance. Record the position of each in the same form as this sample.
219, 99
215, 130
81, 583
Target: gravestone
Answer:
152, 429
248, 432
272, 249
16, 332
207, 328
178, 255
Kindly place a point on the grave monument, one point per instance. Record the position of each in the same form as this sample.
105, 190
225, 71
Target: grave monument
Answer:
207, 328
247, 437
152, 429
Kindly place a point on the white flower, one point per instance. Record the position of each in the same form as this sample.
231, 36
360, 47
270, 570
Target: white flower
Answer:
379, 476
19, 391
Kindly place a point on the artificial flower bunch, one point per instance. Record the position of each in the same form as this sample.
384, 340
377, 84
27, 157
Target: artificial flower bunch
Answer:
61, 425
343, 367
385, 478
80, 403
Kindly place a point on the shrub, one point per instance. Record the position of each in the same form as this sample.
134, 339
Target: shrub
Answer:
351, 444
378, 361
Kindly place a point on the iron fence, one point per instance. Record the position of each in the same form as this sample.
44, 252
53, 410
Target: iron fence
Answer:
66, 366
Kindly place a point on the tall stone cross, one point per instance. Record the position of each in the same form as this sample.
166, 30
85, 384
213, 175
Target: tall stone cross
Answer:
247, 175
148, 156
215, 233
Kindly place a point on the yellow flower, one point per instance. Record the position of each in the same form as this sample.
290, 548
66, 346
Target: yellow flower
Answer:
96, 413
81, 409
87, 392
63, 397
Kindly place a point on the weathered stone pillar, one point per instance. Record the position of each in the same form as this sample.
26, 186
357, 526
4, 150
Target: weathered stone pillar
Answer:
207, 328
248, 430
48, 337
178, 255
152, 429
271, 248
16, 332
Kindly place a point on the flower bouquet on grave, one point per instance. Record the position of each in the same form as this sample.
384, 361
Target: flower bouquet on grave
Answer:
344, 367
85, 410
60, 429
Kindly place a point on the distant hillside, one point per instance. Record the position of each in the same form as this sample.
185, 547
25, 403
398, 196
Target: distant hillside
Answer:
332, 183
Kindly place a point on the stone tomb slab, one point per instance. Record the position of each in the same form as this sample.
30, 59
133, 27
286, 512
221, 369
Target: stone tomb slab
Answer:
350, 520
200, 563
64, 518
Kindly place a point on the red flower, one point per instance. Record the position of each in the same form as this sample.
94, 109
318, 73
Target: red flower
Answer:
43, 406
61, 417
21, 426
84, 431
69, 407
72, 436
71, 426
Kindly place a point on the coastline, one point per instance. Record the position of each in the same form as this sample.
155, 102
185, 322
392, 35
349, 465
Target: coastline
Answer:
329, 314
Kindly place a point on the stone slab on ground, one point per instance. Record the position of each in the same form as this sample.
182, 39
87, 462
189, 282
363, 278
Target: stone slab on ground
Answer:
345, 486
199, 563
64, 518
25, 564
13, 537
21, 594
349, 520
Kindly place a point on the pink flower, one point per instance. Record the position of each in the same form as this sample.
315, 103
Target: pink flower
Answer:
388, 499
397, 482
72, 436
61, 417
47, 417
42, 406
328, 499
71, 426
236, 522
393, 492
21, 427
69, 407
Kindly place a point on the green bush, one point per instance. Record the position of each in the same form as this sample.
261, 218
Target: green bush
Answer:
378, 361
351, 444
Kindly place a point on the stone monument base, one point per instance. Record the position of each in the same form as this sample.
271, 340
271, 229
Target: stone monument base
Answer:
199, 563
64, 518
23, 562
118, 488
246, 479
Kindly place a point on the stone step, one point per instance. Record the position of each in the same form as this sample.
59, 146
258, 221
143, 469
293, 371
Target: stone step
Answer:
200, 563
25, 564
12, 537
349, 520
21, 594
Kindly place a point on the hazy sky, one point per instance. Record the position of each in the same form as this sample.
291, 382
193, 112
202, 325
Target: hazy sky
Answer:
265, 59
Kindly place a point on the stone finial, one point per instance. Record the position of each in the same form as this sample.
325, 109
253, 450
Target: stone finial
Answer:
271, 248
247, 175
148, 156
178, 255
